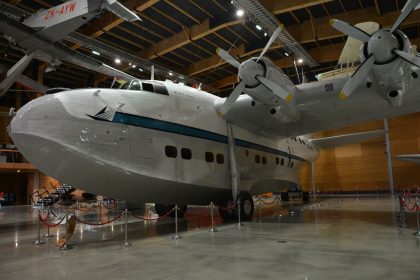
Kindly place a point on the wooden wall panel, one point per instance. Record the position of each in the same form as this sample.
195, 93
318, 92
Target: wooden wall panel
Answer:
363, 167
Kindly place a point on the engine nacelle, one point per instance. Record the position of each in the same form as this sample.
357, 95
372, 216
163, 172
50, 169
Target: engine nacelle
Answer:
389, 71
251, 69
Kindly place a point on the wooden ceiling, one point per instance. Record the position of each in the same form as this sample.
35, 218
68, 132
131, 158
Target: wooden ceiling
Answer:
183, 35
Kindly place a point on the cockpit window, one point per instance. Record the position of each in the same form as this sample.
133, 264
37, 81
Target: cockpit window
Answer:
126, 85
161, 89
147, 87
135, 85
153, 86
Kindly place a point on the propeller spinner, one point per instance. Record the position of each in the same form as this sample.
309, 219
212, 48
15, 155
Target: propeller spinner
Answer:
380, 48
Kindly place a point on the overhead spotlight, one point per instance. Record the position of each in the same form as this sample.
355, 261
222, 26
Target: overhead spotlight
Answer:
117, 61
240, 13
265, 34
300, 61
133, 66
96, 53
170, 73
129, 63
286, 54
18, 171
258, 27
141, 70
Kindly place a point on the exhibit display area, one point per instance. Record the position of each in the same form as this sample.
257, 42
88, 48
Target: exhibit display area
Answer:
244, 138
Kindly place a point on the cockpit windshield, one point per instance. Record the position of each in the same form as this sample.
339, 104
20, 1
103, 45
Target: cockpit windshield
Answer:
151, 86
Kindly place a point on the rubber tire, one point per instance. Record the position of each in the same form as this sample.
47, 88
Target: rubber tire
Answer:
247, 206
227, 214
284, 196
306, 197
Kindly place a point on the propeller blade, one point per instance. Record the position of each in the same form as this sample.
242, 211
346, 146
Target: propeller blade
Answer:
357, 78
350, 30
408, 57
276, 89
405, 12
272, 39
227, 57
232, 99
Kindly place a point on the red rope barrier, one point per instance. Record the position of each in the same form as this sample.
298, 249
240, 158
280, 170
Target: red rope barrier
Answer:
232, 206
109, 207
52, 225
85, 210
100, 224
267, 203
152, 219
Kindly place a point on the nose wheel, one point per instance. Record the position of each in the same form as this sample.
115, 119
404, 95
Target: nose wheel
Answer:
228, 209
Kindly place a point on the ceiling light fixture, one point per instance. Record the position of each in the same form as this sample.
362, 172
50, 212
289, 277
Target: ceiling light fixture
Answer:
300, 61
258, 27
117, 61
96, 53
239, 13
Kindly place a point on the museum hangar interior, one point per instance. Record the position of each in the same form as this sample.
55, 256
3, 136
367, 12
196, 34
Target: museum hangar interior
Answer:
209, 138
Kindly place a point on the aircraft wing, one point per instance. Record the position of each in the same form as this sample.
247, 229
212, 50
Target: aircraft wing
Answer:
54, 53
414, 158
335, 141
317, 107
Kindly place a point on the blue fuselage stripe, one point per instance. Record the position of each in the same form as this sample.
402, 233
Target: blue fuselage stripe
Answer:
176, 128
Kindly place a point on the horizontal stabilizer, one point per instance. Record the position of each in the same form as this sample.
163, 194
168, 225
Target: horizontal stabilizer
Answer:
120, 10
414, 158
341, 140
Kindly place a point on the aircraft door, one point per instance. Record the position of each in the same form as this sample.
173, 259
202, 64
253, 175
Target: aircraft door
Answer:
141, 142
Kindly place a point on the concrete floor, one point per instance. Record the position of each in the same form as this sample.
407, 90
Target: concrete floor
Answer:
345, 239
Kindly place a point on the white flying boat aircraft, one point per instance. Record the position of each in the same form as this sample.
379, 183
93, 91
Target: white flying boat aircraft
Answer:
168, 143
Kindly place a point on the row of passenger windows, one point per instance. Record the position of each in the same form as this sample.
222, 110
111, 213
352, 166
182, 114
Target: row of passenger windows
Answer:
263, 160
172, 152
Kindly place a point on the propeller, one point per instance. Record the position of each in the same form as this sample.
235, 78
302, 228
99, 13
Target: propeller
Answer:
251, 71
227, 57
232, 98
381, 47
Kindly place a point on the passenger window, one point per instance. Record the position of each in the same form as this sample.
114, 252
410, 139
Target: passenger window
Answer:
257, 159
160, 89
147, 87
186, 153
264, 160
277, 160
220, 158
282, 161
209, 157
246, 153
171, 151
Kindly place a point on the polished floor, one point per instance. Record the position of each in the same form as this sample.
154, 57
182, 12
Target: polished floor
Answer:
341, 238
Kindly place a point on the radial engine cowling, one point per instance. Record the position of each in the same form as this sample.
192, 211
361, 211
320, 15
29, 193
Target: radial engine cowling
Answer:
251, 70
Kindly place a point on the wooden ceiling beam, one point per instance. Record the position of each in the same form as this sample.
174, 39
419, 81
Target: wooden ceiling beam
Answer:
278, 7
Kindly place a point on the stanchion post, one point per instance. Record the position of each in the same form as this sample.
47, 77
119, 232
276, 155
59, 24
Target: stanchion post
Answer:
417, 233
377, 193
176, 236
259, 208
64, 247
48, 234
357, 193
239, 214
278, 207
212, 229
402, 212
38, 241
126, 243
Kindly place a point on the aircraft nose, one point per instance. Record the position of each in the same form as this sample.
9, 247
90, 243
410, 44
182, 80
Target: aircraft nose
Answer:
29, 117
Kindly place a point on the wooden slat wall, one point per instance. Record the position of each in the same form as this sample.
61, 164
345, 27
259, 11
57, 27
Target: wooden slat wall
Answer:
363, 167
